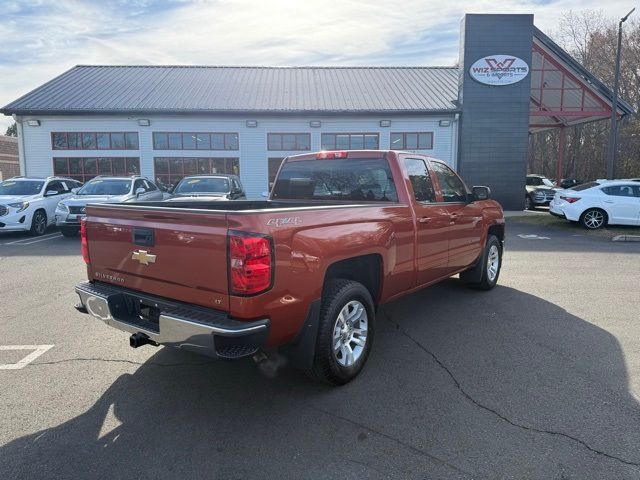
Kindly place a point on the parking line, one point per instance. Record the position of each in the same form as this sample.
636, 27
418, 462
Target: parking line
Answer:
43, 237
37, 351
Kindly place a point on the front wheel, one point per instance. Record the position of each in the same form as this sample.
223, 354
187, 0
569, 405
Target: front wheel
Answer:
345, 332
38, 223
488, 267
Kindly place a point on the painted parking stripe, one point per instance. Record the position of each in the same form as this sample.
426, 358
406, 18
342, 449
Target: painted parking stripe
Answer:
37, 351
31, 238
42, 239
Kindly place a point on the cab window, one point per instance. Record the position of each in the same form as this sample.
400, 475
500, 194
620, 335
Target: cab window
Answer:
423, 190
451, 187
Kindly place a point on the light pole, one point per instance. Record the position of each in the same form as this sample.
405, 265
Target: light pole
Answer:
613, 134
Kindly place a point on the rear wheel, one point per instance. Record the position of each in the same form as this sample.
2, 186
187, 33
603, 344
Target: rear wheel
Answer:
593, 218
38, 223
69, 231
345, 332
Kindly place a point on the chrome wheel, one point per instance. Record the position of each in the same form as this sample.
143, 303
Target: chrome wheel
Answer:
493, 263
350, 333
593, 219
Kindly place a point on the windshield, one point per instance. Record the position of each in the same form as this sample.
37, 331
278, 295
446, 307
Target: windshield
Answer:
546, 182
22, 187
336, 179
106, 187
202, 185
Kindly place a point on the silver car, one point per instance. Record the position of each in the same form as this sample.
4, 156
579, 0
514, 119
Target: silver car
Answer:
70, 211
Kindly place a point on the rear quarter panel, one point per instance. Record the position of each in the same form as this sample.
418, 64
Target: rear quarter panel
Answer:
308, 242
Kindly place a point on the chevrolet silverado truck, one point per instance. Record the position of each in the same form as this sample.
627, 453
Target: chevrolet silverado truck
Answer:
301, 273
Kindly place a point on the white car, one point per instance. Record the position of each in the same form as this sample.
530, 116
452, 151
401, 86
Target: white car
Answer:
29, 204
599, 203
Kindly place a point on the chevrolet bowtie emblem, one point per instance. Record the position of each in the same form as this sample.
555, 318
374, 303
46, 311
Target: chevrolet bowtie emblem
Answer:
143, 257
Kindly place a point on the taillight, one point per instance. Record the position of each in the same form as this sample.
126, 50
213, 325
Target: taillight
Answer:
250, 263
332, 154
84, 246
569, 199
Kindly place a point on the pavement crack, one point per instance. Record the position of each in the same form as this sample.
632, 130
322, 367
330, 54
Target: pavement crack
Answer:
117, 360
494, 412
406, 445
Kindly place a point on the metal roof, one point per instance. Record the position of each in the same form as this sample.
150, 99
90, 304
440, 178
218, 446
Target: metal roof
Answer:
87, 89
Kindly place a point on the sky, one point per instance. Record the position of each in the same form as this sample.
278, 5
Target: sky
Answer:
40, 39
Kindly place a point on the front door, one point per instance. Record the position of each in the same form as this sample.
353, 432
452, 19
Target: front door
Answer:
432, 224
465, 218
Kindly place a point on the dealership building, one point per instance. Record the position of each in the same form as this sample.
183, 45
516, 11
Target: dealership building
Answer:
166, 122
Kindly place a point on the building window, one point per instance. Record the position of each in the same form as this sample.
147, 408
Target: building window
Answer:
350, 141
170, 170
85, 168
412, 141
94, 140
289, 141
195, 141
274, 165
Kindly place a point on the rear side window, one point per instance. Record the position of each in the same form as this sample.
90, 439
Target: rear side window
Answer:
584, 186
452, 188
345, 179
622, 190
420, 180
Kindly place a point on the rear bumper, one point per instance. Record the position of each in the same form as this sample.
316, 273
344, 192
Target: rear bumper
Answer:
175, 324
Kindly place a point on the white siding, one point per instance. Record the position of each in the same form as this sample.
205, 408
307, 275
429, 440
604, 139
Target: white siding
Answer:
253, 151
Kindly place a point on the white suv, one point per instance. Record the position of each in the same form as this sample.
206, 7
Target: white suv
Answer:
29, 204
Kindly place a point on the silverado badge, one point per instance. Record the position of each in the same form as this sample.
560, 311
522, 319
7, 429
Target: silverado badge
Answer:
143, 257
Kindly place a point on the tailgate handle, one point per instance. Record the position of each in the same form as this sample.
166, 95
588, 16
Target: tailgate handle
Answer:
143, 237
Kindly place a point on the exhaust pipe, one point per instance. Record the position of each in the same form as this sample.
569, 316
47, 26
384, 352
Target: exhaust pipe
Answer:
139, 339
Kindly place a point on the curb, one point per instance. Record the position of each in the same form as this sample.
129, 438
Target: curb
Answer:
626, 238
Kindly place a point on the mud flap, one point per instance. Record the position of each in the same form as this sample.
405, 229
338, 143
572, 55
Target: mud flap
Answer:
302, 350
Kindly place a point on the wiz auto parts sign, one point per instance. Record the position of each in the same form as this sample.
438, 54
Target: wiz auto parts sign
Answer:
499, 70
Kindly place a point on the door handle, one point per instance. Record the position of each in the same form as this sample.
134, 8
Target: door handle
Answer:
608, 201
424, 219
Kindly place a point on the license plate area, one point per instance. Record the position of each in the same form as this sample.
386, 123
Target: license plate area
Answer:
135, 311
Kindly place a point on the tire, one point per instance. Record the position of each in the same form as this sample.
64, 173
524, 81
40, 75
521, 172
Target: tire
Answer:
528, 203
339, 359
69, 231
490, 264
38, 223
593, 218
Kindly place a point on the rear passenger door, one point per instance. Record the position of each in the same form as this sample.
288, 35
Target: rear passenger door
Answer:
622, 202
465, 217
432, 223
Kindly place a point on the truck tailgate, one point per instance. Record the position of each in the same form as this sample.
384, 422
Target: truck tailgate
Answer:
181, 255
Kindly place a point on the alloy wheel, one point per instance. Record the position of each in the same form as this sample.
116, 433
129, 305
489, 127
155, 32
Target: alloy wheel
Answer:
350, 333
493, 263
594, 219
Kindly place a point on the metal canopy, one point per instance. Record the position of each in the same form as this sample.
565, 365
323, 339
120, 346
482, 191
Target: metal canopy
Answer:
563, 93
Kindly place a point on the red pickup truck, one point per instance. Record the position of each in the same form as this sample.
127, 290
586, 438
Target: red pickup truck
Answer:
302, 271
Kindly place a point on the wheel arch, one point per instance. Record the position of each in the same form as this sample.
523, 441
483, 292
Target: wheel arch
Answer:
364, 269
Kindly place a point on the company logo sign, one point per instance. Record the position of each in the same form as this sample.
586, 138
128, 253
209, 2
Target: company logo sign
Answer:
499, 70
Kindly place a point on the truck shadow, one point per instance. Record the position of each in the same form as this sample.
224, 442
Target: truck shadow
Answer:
461, 384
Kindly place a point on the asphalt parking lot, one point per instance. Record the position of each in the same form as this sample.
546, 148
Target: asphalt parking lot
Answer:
539, 378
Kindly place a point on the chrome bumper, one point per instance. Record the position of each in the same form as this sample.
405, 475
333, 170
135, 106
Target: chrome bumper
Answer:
205, 331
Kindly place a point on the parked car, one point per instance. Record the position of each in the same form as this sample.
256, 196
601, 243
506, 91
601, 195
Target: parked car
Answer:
570, 182
304, 271
208, 188
539, 191
600, 203
29, 204
103, 189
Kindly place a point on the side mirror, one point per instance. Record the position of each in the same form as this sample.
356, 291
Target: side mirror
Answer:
481, 193
51, 193
139, 191
75, 190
